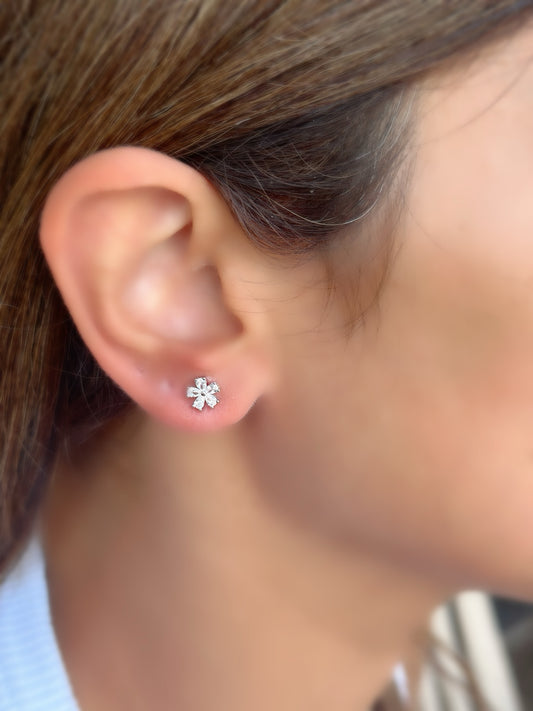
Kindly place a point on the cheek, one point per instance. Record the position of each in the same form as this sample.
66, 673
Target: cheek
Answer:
462, 324
431, 452
451, 453
411, 447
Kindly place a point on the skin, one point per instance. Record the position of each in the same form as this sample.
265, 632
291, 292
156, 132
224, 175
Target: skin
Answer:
285, 549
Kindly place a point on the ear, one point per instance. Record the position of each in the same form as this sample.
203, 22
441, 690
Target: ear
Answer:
156, 273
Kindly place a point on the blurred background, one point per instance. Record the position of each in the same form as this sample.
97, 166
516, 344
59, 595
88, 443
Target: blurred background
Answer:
516, 622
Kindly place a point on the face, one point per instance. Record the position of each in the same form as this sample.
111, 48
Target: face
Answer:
414, 438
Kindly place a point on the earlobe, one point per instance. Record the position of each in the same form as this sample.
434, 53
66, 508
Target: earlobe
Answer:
132, 238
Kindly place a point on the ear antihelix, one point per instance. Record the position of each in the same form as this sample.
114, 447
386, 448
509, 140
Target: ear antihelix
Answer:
166, 298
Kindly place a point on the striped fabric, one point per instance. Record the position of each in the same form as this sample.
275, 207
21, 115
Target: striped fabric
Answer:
467, 624
32, 674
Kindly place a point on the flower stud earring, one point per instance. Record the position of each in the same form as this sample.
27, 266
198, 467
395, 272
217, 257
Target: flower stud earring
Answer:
204, 393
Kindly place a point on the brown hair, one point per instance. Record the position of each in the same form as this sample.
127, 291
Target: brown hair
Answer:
292, 108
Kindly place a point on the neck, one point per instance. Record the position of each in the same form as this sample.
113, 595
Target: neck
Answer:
177, 582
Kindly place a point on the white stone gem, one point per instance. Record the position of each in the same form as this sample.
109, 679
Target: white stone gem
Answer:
203, 393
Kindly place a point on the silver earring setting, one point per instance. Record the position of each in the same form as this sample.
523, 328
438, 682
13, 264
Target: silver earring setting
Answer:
204, 393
